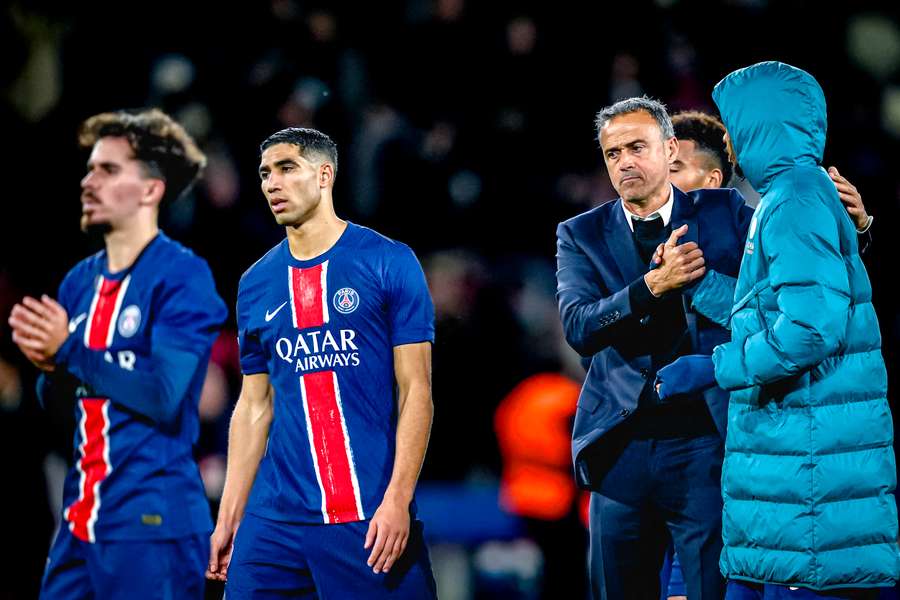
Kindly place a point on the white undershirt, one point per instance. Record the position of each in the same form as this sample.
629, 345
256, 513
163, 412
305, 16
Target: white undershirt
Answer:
664, 211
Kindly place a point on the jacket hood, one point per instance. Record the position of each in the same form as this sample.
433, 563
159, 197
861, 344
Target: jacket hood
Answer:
776, 117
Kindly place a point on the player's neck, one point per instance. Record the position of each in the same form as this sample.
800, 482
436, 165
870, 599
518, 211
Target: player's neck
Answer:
315, 236
647, 206
123, 246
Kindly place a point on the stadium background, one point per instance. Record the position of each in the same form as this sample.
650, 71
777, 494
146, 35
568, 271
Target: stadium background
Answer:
464, 129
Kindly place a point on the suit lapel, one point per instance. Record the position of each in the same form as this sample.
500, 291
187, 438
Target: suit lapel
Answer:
620, 242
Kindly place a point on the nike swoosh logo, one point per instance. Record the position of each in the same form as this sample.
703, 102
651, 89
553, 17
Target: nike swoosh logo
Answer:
271, 315
74, 323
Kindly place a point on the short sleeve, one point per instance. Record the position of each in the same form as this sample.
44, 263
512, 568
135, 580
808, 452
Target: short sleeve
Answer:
252, 357
410, 310
190, 312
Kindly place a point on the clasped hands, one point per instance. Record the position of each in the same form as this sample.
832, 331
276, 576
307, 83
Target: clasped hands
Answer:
676, 265
39, 328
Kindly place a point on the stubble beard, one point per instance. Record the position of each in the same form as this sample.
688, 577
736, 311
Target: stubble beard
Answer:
94, 229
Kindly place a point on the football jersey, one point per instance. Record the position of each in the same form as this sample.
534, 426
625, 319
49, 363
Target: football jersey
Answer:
134, 477
324, 330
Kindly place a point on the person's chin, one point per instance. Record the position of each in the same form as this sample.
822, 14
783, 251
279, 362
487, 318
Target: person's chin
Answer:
285, 219
92, 227
632, 193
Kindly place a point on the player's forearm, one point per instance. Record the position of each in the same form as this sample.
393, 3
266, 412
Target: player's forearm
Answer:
413, 430
247, 437
153, 388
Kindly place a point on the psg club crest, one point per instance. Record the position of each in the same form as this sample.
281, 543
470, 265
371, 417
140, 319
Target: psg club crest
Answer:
129, 321
346, 300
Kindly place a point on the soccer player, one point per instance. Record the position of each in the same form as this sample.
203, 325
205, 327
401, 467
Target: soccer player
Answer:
328, 321
702, 162
809, 465
128, 340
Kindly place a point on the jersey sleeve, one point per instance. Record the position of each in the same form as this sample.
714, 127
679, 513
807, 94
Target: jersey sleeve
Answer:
252, 356
190, 311
410, 309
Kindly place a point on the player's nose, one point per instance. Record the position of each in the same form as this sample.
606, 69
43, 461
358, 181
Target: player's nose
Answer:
87, 181
272, 184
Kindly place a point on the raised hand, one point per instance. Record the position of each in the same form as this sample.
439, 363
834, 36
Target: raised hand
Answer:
679, 264
850, 197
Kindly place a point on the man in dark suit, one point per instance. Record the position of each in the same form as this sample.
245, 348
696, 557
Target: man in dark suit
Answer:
653, 467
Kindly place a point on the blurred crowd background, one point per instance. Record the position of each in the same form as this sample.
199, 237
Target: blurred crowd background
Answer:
465, 130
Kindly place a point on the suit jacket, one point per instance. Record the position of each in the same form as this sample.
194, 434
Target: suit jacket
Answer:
597, 261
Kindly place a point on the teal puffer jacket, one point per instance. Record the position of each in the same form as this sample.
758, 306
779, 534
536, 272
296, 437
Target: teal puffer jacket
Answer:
809, 465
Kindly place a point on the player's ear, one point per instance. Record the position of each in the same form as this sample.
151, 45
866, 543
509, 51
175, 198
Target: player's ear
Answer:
326, 174
671, 149
154, 190
714, 178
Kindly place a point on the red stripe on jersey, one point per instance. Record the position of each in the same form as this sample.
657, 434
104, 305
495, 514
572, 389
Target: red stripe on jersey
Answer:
93, 467
330, 447
104, 310
309, 290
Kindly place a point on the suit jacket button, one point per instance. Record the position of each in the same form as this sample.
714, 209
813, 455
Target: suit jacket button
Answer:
623, 412
644, 373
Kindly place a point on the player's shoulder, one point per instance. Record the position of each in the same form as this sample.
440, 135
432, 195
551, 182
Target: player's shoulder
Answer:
714, 203
84, 271
176, 252
368, 238
803, 192
174, 262
260, 270
372, 245
89, 264
715, 196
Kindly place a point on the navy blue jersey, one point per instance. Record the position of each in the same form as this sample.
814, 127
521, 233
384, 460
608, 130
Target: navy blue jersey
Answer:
324, 330
139, 344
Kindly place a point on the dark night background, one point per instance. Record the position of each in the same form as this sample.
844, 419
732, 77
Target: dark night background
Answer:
464, 129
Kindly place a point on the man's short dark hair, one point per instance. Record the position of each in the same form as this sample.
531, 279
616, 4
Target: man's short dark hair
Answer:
164, 148
706, 131
308, 141
654, 108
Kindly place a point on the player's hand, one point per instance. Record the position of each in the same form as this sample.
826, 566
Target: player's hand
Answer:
658, 254
688, 374
221, 545
387, 535
850, 197
39, 329
679, 264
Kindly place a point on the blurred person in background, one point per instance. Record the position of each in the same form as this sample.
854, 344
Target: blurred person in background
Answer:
329, 321
128, 341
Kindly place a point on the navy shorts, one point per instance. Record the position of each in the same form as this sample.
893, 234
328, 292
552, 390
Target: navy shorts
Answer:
273, 559
744, 590
165, 569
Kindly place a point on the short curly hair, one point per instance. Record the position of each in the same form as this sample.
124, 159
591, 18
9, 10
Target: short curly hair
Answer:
706, 131
166, 150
